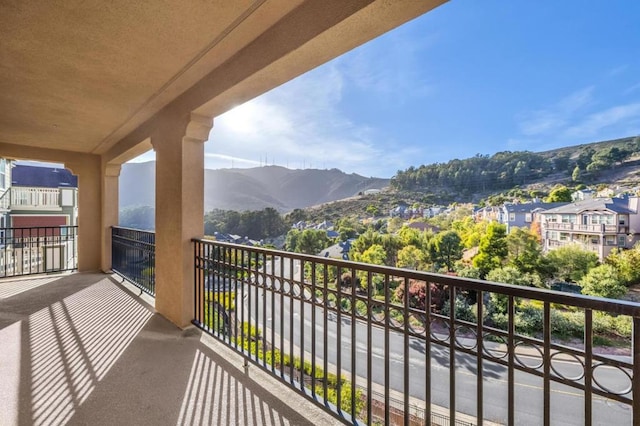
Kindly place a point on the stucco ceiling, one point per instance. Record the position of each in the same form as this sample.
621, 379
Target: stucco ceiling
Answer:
79, 75
73, 72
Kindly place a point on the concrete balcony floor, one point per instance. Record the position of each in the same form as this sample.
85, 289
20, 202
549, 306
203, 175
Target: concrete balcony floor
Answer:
84, 349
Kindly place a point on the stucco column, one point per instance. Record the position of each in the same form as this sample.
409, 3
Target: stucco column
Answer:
179, 212
110, 206
89, 174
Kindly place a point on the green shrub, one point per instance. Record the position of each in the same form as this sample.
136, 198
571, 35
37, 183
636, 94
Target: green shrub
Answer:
462, 309
225, 298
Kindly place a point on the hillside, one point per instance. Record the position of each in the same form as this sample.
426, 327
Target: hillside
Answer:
252, 189
473, 178
545, 170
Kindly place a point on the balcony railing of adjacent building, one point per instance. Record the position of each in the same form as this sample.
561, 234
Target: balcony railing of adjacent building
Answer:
34, 197
335, 332
133, 256
37, 250
600, 228
586, 246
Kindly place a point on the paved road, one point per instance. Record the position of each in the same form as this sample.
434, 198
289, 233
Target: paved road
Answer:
567, 403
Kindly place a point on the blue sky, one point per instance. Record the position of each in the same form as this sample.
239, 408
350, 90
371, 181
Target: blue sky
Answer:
469, 77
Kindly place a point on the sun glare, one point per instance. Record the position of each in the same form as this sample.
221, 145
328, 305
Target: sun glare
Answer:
241, 119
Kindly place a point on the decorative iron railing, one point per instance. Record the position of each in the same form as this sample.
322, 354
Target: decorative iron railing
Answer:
133, 256
38, 250
349, 337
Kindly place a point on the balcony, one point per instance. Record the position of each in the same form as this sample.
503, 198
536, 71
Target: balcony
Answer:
596, 248
597, 229
282, 337
37, 250
32, 198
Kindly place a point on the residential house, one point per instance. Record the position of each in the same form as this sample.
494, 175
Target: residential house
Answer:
583, 194
338, 251
432, 211
490, 213
523, 215
599, 225
43, 196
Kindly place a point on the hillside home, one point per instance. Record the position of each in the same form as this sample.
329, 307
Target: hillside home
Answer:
523, 215
490, 213
583, 194
338, 251
432, 211
599, 225
43, 196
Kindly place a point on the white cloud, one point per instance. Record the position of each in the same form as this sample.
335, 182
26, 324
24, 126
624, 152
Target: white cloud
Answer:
556, 116
594, 123
297, 125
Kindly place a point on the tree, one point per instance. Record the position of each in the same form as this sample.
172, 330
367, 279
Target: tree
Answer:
312, 241
142, 217
470, 231
559, 193
309, 241
447, 248
363, 242
394, 224
391, 245
374, 255
525, 252
511, 275
296, 216
410, 257
626, 264
492, 249
410, 236
575, 176
603, 281
572, 262
373, 210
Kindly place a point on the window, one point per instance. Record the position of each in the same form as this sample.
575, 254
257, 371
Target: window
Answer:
512, 217
527, 217
568, 218
622, 220
605, 219
553, 235
564, 236
610, 240
622, 241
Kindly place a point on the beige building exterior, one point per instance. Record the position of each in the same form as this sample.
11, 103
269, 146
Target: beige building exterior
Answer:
94, 84
598, 225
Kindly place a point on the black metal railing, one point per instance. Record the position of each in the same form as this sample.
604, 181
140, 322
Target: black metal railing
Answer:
38, 250
348, 336
133, 256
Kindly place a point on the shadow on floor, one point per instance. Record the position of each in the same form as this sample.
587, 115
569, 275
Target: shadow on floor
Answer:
98, 356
